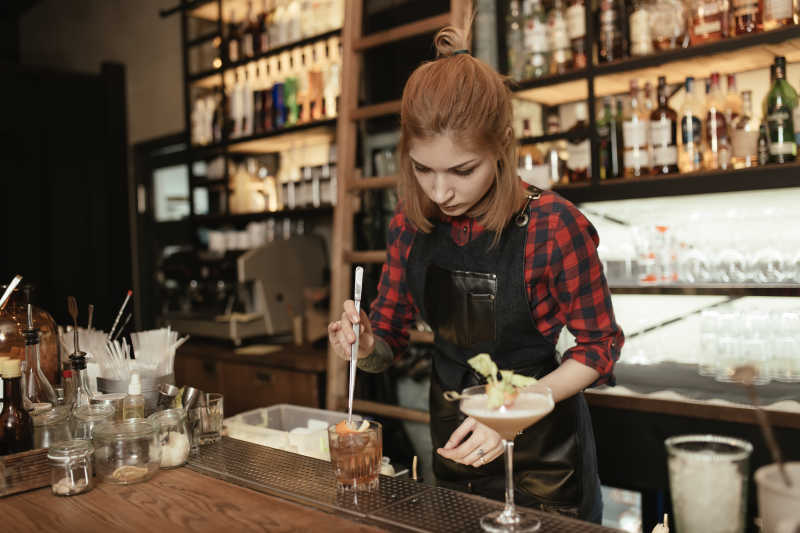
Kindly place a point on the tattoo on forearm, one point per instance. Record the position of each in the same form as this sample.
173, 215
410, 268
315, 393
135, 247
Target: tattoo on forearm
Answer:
379, 360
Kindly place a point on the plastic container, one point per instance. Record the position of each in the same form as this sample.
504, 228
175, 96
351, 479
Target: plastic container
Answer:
301, 430
173, 435
71, 470
51, 426
86, 417
127, 452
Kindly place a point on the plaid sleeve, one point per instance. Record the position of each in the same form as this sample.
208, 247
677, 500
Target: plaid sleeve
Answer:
393, 310
579, 286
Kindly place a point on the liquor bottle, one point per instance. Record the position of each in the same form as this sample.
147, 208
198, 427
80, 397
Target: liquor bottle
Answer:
640, 28
609, 130
717, 153
579, 164
763, 144
690, 156
733, 102
83, 392
664, 133
559, 39
16, 425
635, 128
536, 56
668, 24
611, 40
747, 16
781, 102
247, 32
745, 135
293, 32
262, 25
576, 29
36, 388
515, 40
708, 21
778, 13
234, 49
281, 23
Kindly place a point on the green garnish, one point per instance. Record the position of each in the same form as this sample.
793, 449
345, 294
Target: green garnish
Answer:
503, 391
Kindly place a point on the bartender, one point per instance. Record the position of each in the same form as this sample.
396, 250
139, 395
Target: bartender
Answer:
495, 266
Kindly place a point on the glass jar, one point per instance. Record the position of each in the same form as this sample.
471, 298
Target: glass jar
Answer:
173, 435
51, 426
71, 470
127, 451
86, 417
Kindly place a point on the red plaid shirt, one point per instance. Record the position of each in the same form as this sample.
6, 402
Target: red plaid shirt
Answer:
564, 276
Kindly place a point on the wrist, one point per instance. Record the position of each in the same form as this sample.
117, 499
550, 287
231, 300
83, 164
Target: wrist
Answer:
379, 359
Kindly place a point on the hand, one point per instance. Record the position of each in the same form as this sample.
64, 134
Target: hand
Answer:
482, 447
341, 335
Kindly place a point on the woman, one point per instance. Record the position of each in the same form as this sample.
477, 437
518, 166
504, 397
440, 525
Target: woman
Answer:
493, 266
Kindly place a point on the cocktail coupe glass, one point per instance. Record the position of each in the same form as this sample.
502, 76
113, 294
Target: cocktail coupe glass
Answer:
533, 403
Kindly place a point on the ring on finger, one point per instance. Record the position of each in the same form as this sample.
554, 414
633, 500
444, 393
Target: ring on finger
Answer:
480, 452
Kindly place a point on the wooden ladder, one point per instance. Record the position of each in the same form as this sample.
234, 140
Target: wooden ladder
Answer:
351, 183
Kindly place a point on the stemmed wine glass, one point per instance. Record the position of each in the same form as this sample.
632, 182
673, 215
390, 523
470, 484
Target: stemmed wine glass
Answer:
533, 403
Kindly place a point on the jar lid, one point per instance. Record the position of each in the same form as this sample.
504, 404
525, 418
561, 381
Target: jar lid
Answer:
131, 428
93, 413
168, 416
56, 415
70, 449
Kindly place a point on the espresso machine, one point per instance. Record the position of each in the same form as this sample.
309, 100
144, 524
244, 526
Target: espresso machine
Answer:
269, 293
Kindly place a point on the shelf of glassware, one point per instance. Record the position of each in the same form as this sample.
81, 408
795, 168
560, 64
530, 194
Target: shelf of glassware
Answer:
735, 54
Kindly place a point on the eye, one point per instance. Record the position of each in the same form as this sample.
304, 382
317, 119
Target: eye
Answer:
464, 172
420, 169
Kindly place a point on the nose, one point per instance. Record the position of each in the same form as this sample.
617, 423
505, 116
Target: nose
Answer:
442, 191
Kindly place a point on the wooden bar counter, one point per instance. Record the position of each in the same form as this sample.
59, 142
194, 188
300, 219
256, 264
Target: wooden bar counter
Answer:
174, 500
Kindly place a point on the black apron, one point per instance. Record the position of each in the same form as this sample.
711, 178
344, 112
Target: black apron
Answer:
474, 298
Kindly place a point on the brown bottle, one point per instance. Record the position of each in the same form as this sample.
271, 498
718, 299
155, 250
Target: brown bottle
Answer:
664, 133
16, 425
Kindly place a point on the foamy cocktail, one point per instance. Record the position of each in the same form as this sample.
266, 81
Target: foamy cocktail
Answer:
527, 409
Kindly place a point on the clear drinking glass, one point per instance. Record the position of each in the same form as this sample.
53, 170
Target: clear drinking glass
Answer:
206, 420
531, 405
708, 477
356, 457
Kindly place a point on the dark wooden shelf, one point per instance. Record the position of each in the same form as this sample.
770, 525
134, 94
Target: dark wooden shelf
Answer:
563, 135
711, 289
202, 39
244, 218
745, 179
213, 149
550, 79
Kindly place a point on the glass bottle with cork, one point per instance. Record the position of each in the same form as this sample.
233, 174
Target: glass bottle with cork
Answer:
663, 132
744, 135
781, 101
16, 424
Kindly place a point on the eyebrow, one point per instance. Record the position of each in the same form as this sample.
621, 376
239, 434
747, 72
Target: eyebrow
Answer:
455, 167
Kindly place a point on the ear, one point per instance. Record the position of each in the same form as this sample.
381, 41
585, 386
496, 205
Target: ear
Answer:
509, 136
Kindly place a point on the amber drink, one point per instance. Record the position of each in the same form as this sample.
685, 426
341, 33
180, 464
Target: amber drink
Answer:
356, 456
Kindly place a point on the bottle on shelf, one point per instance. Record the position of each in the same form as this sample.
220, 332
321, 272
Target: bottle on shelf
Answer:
744, 133
668, 24
515, 40
763, 144
611, 35
747, 16
781, 102
609, 130
579, 162
576, 30
733, 102
234, 48
278, 104
536, 55
690, 156
248, 32
561, 58
778, 13
332, 80
635, 128
718, 152
293, 16
664, 132
281, 24
641, 36
261, 42
16, 424
708, 21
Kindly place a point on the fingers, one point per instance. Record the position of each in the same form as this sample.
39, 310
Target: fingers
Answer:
342, 337
482, 447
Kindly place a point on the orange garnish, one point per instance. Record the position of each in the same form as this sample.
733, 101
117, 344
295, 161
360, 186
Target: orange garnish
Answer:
343, 429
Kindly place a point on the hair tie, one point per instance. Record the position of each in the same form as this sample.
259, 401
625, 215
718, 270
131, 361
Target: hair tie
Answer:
461, 52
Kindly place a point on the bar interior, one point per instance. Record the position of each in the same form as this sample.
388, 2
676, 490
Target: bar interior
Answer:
200, 195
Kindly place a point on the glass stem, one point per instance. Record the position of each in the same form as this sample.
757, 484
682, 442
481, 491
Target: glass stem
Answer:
508, 446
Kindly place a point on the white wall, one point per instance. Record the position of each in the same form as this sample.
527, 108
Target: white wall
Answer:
78, 35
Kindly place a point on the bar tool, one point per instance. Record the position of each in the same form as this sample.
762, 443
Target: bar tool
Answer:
354, 349
190, 397
9, 290
166, 396
119, 314
91, 315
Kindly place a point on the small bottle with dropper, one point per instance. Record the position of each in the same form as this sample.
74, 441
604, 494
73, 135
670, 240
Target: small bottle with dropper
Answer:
133, 405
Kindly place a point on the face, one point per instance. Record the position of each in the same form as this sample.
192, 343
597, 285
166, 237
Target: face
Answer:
453, 177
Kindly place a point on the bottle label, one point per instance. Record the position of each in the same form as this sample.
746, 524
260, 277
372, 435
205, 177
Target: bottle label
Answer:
691, 130
559, 37
641, 39
781, 132
777, 9
634, 133
745, 143
742, 8
536, 36
661, 133
576, 21
578, 155
665, 155
637, 158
